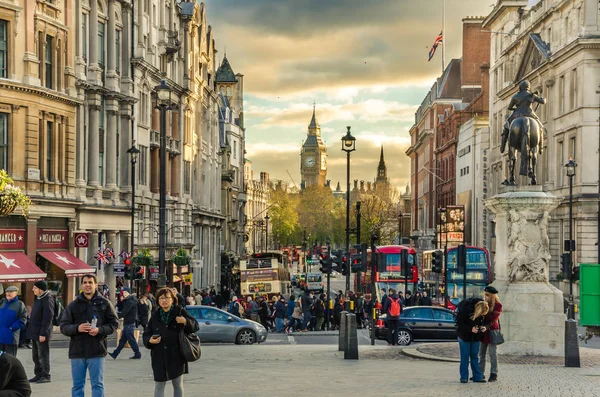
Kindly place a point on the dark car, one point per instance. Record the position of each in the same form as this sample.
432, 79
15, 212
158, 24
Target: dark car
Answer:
420, 322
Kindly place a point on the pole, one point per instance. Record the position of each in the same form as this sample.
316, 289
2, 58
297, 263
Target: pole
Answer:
571, 313
133, 161
358, 283
267, 233
348, 261
443, 33
373, 288
162, 206
328, 286
598, 219
400, 228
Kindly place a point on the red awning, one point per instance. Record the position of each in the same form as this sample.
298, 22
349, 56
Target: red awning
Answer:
72, 265
17, 267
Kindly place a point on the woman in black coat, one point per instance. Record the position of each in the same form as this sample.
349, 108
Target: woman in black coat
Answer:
162, 338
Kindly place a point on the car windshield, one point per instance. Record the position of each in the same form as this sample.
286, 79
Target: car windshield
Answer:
421, 313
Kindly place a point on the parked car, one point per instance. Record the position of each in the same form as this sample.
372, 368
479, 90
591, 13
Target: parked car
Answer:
218, 326
420, 322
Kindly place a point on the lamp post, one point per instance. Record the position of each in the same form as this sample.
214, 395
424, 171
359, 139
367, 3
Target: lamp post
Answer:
163, 94
267, 232
570, 166
348, 146
134, 153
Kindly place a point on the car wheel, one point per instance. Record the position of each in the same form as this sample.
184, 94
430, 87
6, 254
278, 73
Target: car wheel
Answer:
404, 337
246, 337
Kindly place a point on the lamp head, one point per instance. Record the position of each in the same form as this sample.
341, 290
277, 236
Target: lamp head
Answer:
133, 152
348, 142
163, 92
570, 166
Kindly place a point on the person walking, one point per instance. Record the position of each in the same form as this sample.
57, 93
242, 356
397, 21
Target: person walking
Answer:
492, 322
307, 306
143, 311
13, 379
162, 338
13, 316
234, 307
263, 312
320, 312
40, 331
280, 314
368, 305
129, 314
384, 297
252, 309
471, 329
88, 320
359, 308
393, 309
425, 300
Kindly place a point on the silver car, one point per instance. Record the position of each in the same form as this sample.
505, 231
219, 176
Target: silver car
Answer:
218, 326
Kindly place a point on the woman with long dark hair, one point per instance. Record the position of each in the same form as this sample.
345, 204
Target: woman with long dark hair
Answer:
492, 320
471, 328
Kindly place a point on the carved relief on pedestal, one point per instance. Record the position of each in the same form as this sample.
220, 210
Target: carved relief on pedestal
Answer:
529, 246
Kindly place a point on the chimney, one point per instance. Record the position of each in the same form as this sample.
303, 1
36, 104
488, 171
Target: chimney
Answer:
264, 178
328, 182
362, 186
368, 186
355, 184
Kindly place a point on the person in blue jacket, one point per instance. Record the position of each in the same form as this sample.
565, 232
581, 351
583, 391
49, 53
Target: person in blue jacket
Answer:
13, 316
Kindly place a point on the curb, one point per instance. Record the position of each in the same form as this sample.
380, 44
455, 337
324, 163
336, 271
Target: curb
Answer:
414, 353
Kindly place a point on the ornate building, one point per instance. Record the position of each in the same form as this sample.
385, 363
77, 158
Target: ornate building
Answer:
257, 196
313, 157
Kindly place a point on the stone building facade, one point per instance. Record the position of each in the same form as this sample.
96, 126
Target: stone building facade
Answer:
555, 45
257, 196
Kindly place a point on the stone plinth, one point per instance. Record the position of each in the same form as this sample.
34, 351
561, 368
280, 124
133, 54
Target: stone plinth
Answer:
533, 312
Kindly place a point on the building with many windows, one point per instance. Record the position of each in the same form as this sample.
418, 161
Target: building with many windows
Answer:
257, 196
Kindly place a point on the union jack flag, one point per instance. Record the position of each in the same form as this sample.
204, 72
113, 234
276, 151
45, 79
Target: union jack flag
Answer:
124, 254
100, 256
438, 41
109, 252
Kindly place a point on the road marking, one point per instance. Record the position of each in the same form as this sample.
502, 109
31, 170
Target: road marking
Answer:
291, 340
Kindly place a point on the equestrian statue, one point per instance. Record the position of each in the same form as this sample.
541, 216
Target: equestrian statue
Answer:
523, 132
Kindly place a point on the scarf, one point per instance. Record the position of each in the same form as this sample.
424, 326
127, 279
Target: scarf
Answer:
165, 316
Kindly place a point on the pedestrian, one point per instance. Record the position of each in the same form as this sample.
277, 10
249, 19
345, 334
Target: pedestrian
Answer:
289, 313
162, 338
417, 299
425, 300
263, 312
40, 331
251, 309
88, 320
401, 298
180, 298
280, 314
408, 299
24, 340
143, 311
129, 314
13, 316
368, 305
320, 312
198, 298
492, 322
13, 379
384, 296
359, 308
338, 307
307, 302
392, 309
471, 328
297, 316
234, 307
207, 300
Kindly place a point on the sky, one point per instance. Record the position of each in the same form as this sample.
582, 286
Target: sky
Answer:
363, 63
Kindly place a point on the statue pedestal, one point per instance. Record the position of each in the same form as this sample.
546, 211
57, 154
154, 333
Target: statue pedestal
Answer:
533, 319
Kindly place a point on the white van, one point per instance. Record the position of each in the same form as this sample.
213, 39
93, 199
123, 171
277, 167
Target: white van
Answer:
314, 282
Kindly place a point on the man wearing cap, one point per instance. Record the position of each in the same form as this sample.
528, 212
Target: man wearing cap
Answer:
129, 314
13, 316
40, 331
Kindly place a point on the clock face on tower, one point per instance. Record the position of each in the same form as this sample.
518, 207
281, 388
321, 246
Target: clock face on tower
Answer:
309, 161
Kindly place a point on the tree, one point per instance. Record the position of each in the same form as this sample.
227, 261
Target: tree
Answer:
283, 212
379, 213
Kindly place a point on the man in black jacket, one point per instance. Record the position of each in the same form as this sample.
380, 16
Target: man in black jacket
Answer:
40, 331
307, 305
129, 314
392, 309
88, 320
13, 379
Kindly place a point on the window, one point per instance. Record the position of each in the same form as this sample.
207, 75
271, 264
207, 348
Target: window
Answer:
443, 315
4, 141
560, 155
421, 313
118, 51
234, 149
101, 144
187, 170
572, 149
101, 45
573, 90
48, 61
49, 139
84, 36
143, 161
561, 95
3, 48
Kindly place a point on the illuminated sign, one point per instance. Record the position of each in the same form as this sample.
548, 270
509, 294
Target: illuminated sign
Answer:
471, 276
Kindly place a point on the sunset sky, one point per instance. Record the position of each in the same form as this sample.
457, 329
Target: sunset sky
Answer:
364, 63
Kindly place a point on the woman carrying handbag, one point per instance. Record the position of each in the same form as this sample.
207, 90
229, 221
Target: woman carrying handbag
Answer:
163, 337
493, 337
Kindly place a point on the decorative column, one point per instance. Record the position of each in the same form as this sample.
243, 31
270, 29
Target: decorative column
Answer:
93, 68
110, 152
124, 145
140, 49
93, 139
126, 78
111, 75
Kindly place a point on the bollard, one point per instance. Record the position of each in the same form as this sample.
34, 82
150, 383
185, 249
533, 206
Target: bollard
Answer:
351, 352
571, 344
351, 306
342, 339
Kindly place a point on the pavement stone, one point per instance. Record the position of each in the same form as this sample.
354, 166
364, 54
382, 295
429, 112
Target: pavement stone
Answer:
588, 357
300, 370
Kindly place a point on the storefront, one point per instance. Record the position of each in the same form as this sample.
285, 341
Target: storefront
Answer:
61, 266
15, 266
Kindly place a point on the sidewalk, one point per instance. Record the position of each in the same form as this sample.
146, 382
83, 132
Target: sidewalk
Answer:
229, 370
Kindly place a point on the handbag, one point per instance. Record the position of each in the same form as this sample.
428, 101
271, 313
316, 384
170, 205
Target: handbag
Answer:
189, 345
496, 336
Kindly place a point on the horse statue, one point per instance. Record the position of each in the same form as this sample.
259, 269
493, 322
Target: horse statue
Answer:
523, 133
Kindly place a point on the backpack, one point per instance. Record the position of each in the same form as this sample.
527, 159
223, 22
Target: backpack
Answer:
58, 311
465, 308
395, 308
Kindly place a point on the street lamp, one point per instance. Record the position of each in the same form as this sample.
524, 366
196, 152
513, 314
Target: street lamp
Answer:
267, 232
163, 95
348, 146
134, 153
570, 167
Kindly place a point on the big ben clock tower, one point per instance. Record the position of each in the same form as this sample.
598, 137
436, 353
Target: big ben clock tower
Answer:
313, 158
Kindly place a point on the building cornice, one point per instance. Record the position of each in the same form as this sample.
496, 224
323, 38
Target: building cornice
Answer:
42, 92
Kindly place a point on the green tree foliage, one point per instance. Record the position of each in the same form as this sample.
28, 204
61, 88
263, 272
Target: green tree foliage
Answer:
283, 212
379, 213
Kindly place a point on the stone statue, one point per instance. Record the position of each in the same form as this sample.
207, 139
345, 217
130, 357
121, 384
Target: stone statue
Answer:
523, 132
529, 246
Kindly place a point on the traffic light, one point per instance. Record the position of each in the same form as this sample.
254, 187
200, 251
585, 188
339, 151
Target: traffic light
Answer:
326, 263
461, 258
357, 265
437, 261
565, 265
129, 274
404, 263
140, 272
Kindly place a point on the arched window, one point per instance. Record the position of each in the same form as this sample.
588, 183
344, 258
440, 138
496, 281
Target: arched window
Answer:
228, 91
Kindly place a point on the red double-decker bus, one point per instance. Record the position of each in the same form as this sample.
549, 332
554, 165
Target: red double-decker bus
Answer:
394, 276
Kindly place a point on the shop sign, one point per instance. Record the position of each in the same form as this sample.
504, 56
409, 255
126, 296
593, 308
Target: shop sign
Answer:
153, 272
187, 279
119, 269
82, 240
12, 239
52, 238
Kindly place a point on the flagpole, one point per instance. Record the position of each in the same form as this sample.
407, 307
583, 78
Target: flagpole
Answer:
443, 33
